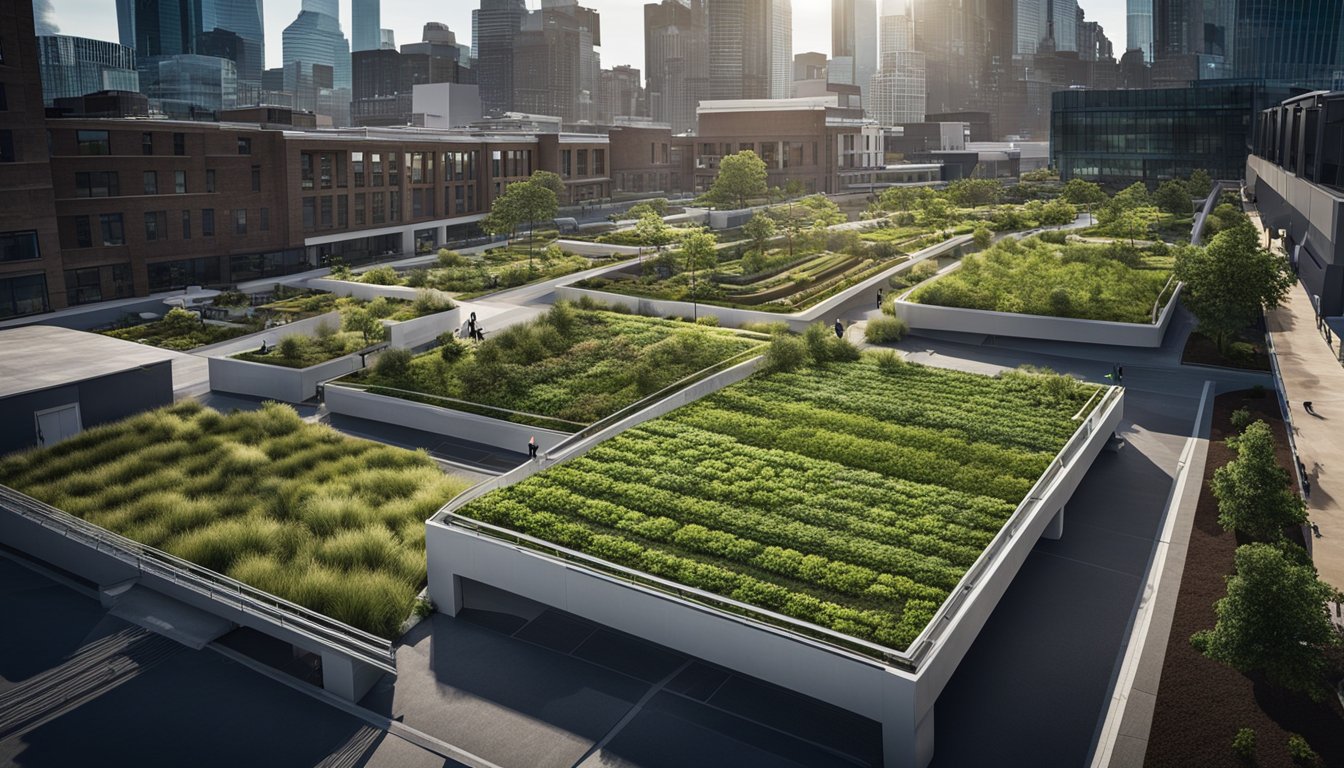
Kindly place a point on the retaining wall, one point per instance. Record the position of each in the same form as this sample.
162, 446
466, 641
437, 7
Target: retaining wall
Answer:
369, 291
409, 334
276, 382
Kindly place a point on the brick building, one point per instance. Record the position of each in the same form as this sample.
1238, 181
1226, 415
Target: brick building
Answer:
649, 159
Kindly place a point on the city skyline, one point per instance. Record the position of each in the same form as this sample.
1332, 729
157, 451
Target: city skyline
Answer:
811, 23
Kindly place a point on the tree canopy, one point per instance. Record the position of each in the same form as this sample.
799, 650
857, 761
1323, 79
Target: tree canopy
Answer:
550, 181
1082, 192
760, 229
969, 193
523, 201
1273, 620
1231, 281
1253, 494
741, 178
1200, 185
1173, 198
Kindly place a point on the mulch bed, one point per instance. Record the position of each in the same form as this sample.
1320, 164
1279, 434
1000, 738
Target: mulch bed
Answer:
1201, 703
1201, 350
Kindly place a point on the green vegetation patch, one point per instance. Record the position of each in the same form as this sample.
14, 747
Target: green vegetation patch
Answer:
1034, 277
182, 330
295, 509
571, 366
518, 263
854, 495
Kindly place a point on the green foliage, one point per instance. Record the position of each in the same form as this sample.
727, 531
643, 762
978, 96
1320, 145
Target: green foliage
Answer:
364, 322
741, 178
786, 353
1241, 419
888, 361
383, 275
1173, 198
1231, 281
1200, 185
983, 237
181, 330
231, 299
1253, 493
1243, 744
393, 364
449, 259
296, 509
1082, 192
885, 330
1038, 278
853, 495
523, 202
652, 231
1057, 213
291, 346
1273, 620
969, 193
759, 230
450, 348
1301, 752
551, 181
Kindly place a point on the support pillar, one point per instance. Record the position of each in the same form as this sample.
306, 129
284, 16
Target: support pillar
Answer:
1054, 530
346, 677
447, 595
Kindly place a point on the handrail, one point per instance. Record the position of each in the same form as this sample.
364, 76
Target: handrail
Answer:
322, 629
1158, 301
1287, 412
833, 640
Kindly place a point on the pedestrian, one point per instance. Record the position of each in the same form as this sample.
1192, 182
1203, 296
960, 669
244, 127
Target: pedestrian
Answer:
471, 326
879, 298
1316, 530
532, 447
1306, 489
263, 346
839, 329
1306, 404
1119, 374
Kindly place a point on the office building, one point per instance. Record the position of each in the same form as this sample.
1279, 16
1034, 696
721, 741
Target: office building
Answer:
384, 79
556, 70
619, 95
1093, 44
1298, 42
854, 33
189, 86
317, 61
387, 40
809, 66
897, 91
1139, 27
158, 27
74, 66
676, 61
243, 18
750, 49
1037, 21
365, 25
493, 28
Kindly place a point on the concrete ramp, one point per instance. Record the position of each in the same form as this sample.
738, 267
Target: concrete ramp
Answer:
163, 615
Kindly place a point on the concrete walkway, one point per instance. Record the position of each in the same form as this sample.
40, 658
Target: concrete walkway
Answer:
1311, 371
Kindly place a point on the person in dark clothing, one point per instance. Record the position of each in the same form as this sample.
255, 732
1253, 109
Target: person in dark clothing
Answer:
1306, 489
1306, 404
879, 298
532, 447
839, 329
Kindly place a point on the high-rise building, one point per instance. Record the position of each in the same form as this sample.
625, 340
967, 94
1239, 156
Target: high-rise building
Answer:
1300, 42
1093, 44
317, 61
968, 48
74, 66
619, 95
158, 27
897, 91
853, 42
747, 39
493, 27
676, 61
365, 25
1139, 27
810, 66
186, 83
387, 40
384, 79
781, 49
1049, 23
556, 69
243, 18
1193, 39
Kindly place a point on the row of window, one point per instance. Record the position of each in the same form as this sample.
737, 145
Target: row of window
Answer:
85, 286
567, 164
78, 232
94, 142
108, 183
372, 208
23, 295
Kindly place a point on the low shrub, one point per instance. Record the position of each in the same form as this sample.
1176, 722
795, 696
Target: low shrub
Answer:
383, 275
885, 330
1241, 419
1243, 744
709, 320
394, 364
449, 259
786, 353
888, 361
1301, 752
292, 346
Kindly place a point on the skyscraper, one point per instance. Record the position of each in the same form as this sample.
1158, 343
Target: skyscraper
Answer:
1038, 21
676, 61
1299, 42
158, 27
317, 60
1139, 27
747, 40
967, 55
781, 49
853, 42
897, 92
74, 66
244, 19
1194, 39
493, 28
556, 70
365, 25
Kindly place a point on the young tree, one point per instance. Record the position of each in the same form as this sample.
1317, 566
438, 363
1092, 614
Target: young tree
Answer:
1231, 281
361, 321
1057, 213
1131, 224
969, 193
523, 201
699, 249
1253, 494
935, 211
1273, 621
1082, 192
741, 177
652, 231
1200, 185
982, 237
760, 229
822, 208
1173, 198
551, 181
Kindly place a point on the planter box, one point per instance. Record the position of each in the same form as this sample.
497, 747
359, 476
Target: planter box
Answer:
306, 327
598, 250
979, 321
276, 382
502, 434
408, 334
368, 291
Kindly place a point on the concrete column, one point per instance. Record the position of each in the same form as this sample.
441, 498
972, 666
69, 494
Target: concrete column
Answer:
408, 240
346, 677
446, 592
1054, 530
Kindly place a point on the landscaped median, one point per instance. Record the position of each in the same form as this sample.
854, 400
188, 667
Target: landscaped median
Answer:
550, 376
297, 510
1092, 293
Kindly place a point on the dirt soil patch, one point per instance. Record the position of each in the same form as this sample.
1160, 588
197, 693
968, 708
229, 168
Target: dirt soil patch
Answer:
1201, 703
1248, 351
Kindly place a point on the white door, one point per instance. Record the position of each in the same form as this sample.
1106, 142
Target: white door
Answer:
56, 424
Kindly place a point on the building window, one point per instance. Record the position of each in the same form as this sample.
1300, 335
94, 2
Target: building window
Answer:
244, 146
6, 146
393, 170
186, 225
97, 184
207, 222
180, 182
123, 284
375, 169
83, 286
342, 211
324, 170
179, 144
394, 206
18, 246
240, 221
165, 275
156, 225
114, 232
4, 99
26, 295
306, 171
379, 212
146, 143
566, 163
309, 213
325, 209
83, 233
209, 180
256, 178
600, 160
583, 162
359, 209
357, 160
266, 219
151, 183
93, 143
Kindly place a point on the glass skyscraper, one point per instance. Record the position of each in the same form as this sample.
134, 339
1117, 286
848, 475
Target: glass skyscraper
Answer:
74, 66
1139, 27
365, 25
244, 19
1294, 41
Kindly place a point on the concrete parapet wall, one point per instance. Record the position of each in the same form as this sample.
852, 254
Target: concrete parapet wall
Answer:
276, 382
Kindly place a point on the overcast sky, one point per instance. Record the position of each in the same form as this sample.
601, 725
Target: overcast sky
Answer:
622, 23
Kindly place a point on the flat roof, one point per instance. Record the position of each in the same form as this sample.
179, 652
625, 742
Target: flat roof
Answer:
38, 357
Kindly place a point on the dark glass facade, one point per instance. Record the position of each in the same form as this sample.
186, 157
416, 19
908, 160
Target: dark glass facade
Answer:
1152, 135
1299, 41
1305, 136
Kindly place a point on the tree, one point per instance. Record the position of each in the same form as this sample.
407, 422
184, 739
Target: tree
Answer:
361, 321
1057, 213
523, 201
1131, 224
935, 211
1173, 198
1273, 620
1253, 494
1231, 281
698, 247
982, 237
1081, 192
969, 193
822, 208
741, 177
759, 229
652, 230
551, 181
1200, 185
1132, 198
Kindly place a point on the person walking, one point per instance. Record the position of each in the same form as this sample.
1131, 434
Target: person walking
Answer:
532, 447
879, 298
1306, 489
839, 329
1306, 404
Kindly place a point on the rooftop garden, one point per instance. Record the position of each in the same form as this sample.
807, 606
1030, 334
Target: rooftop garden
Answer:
181, 330
1077, 280
854, 495
519, 263
361, 326
564, 370
296, 509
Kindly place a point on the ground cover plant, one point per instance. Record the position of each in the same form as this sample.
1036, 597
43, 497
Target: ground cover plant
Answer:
361, 326
519, 263
181, 330
849, 494
566, 369
296, 509
1078, 280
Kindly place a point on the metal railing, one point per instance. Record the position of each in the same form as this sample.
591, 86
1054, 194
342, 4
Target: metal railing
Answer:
1157, 303
824, 637
217, 587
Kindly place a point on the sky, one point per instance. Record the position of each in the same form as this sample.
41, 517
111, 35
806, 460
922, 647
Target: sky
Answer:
622, 23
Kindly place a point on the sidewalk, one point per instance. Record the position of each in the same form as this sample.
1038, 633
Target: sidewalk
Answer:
1311, 371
